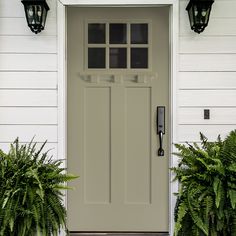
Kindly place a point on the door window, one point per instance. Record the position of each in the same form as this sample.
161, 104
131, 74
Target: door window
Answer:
96, 33
118, 45
139, 33
117, 33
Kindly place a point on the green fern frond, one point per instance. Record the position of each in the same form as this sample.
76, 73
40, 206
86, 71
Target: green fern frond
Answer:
30, 192
207, 176
232, 196
182, 210
218, 190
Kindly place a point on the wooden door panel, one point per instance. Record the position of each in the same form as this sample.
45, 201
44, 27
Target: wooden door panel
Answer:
112, 140
138, 145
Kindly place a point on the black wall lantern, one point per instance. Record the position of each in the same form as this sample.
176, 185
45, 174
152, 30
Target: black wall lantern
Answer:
36, 14
199, 13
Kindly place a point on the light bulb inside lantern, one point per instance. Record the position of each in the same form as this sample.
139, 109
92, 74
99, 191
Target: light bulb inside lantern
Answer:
39, 12
203, 13
30, 12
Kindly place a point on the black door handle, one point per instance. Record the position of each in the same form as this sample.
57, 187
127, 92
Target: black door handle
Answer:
160, 151
160, 128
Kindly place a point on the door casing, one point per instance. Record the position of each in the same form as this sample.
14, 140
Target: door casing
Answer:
173, 71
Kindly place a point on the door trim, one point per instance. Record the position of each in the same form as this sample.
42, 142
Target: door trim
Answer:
94, 3
173, 69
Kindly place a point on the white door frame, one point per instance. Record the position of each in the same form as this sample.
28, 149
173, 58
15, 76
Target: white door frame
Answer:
173, 69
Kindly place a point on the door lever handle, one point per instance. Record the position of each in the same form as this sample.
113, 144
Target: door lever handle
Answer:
160, 128
160, 150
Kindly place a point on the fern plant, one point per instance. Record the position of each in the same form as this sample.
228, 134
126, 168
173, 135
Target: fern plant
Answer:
31, 185
206, 201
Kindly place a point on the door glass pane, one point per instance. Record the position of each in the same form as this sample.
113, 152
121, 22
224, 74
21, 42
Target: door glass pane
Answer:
96, 33
118, 57
96, 58
139, 33
139, 58
118, 33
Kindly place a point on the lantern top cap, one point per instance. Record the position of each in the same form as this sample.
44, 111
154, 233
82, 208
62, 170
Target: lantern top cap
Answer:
36, 2
191, 2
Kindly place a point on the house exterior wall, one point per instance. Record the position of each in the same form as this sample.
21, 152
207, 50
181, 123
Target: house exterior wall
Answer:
28, 77
207, 74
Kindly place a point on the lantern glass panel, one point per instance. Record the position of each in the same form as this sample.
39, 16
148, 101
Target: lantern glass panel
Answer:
44, 15
30, 14
38, 14
197, 15
191, 16
206, 13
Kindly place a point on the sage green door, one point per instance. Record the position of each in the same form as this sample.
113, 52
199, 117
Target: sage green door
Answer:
117, 76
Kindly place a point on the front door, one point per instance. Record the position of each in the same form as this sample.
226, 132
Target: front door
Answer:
117, 77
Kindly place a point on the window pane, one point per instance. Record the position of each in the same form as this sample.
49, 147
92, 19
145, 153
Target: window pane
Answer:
118, 58
139, 33
96, 33
118, 33
96, 58
139, 58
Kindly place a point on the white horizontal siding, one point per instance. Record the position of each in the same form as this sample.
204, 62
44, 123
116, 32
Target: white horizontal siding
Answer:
18, 26
28, 80
191, 132
203, 44
28, 44
218, 116
207, 77
33, 98
28, 77
207, 80
216, 26
207, 98
207, 62
28, 115
223, 9
8, 133
28, 62
14, 8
